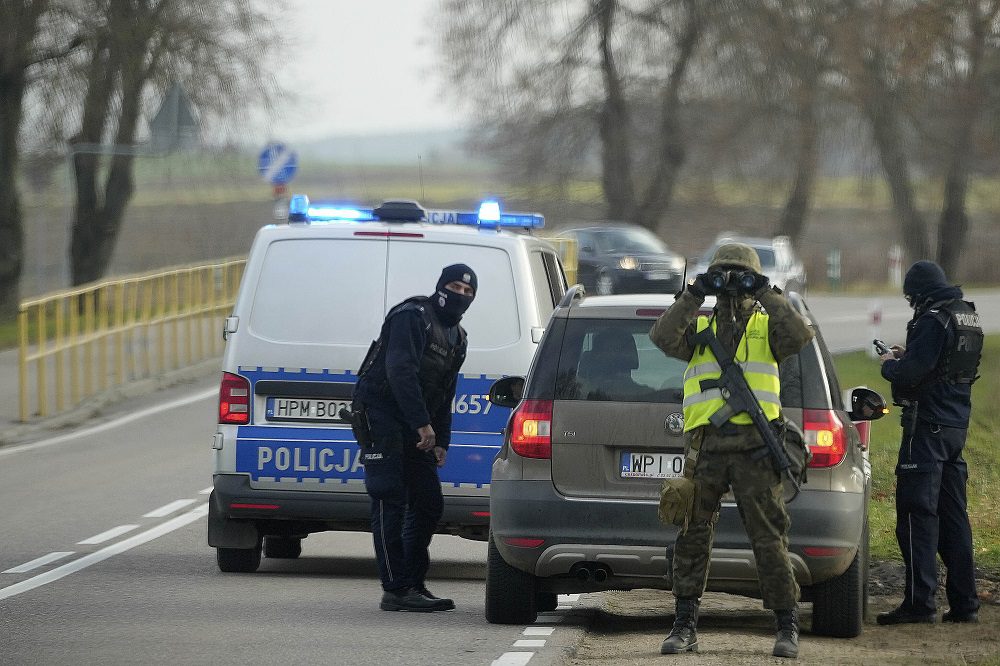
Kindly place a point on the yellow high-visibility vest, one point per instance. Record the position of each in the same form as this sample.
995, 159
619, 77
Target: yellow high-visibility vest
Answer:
760, 369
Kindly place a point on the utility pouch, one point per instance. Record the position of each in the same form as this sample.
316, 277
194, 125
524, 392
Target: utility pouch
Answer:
799, 455
677, 495
358, 418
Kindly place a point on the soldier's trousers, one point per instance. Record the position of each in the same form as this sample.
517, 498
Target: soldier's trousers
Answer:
932, 518
758, 492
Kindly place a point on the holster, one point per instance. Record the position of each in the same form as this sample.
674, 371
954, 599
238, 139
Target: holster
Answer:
358, 418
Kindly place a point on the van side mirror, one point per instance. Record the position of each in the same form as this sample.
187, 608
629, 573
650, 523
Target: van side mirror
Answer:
507, 392
867, 405
230, 326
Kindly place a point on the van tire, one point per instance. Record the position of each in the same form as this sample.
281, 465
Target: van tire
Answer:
839, 603
511, 594
238, 560
282, 547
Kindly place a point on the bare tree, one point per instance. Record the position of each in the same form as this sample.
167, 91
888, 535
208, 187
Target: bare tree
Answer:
33, 36
543, 62
137, 45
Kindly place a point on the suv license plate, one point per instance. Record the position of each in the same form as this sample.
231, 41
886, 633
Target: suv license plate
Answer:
651, 465
305, 409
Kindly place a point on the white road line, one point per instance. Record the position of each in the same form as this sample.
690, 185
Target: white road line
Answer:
38, 562
539, 631
104, 553
180, 402
563, 598
529, 643
168, 509
206, 491
513, 659
110, 534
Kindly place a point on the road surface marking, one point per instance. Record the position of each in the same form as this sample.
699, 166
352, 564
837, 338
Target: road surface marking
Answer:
206, 491
104, 553
110, 534
38, 562
8, 450
529, 643
168, 509
539, 631
513, 659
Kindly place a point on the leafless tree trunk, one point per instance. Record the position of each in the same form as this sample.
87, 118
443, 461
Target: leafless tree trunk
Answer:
613, 123
793, 217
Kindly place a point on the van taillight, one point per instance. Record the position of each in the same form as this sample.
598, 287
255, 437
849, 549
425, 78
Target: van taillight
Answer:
234, 400
531, 429
825, 437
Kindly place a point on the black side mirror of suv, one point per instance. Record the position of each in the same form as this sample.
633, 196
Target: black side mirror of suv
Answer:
867, 405
507, 392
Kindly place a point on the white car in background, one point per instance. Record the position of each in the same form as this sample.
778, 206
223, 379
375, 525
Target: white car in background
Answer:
777, 257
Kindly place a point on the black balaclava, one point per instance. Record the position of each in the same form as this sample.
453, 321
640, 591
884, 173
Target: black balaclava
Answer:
448, 305
923, 280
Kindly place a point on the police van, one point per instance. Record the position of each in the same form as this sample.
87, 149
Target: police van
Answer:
313, 296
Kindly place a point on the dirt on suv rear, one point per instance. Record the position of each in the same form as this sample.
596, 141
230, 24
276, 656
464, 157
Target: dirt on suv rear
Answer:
575, 487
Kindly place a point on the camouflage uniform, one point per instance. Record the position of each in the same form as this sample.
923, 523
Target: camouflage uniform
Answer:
724, 459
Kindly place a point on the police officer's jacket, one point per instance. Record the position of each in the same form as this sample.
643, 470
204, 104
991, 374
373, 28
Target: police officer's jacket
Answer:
413, 368
921, 378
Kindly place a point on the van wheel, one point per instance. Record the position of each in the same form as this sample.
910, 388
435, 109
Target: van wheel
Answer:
546, 601
839, 603
510, 593
238, 560
282, 547
605, 285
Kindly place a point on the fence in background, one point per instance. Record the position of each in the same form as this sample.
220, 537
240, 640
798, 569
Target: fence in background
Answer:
78, 343
567, 250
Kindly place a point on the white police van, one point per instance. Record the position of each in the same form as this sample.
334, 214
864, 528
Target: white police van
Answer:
313, 297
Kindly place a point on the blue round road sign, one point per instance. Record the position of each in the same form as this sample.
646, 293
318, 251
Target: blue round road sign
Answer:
277, 163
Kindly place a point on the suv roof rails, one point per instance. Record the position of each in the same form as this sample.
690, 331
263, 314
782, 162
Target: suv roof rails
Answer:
576, 292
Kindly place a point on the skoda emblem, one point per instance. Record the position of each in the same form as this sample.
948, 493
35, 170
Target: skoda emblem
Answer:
674, 423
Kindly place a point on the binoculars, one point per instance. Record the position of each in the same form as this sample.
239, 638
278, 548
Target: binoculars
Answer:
732, 281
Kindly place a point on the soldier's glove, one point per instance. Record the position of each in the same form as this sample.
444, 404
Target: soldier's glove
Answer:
701, 286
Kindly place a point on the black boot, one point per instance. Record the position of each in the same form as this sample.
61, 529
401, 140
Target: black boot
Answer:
786, 642
683, 637
407, 599
904, 614
442, 603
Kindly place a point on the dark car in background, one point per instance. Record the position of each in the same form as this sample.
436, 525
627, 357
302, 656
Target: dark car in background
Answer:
575, 488
624, 259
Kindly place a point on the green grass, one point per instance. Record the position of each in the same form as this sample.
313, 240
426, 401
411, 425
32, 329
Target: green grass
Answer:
982, 453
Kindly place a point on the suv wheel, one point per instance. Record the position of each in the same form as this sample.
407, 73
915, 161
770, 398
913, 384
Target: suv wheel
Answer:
546, 601
238, 560
839, 603
282, 547
605, 285
510, 593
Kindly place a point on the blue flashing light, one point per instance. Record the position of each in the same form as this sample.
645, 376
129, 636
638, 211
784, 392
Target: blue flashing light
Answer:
489, 213
326, 212
298, 208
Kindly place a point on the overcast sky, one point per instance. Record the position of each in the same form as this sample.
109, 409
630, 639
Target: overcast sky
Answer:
347, 56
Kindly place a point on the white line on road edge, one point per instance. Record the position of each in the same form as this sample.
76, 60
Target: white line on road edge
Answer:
513, 659
206, 491
180, 402
106, 536
104, 553
521, 658
38, 562
168, 509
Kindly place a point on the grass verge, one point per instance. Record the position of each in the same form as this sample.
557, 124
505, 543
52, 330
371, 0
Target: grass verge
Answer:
982, 453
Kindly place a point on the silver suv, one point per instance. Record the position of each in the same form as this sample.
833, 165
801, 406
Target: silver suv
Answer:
575, 487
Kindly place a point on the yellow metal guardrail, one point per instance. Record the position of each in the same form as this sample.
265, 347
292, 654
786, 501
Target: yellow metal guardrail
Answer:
567, 250
81, 342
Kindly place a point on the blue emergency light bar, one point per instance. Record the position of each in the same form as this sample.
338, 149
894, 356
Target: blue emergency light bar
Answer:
488, 216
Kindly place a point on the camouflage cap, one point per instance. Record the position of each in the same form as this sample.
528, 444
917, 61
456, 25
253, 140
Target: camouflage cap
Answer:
737, 254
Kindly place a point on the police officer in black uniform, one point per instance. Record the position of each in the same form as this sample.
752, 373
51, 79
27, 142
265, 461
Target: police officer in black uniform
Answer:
932, 380
405, 389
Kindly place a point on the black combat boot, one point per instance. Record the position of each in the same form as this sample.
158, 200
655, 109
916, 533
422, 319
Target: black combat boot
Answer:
683, 637
407, 599
786, 642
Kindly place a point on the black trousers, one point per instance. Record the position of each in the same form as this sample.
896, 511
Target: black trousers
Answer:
406, 500
932, 516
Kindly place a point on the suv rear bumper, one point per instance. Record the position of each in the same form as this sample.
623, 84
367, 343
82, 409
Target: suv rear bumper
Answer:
290, 512
634, 552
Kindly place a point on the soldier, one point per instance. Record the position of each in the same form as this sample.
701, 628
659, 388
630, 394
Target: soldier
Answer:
932, 379
727, 457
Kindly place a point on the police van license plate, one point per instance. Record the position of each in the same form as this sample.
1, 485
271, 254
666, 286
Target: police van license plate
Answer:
305, 409
651, 465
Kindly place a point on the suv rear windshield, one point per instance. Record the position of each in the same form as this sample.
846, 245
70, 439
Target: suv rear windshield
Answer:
614, 359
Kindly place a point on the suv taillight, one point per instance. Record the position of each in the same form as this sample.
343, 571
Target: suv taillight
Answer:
234, 400
531, 429
825, 437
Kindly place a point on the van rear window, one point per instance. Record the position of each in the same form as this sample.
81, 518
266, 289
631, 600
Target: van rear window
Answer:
309, 290
614, 360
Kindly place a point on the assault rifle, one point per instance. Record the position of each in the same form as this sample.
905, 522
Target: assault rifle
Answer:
739, 397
